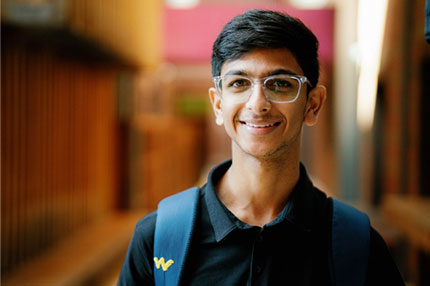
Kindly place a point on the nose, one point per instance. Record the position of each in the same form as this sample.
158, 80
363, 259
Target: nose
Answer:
257, 100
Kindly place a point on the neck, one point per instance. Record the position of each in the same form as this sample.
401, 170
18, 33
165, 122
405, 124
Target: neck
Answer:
257, 189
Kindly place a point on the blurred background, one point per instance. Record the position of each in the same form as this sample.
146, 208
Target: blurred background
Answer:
104, 111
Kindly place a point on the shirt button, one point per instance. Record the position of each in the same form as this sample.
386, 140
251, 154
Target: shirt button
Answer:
259, 238
258, 269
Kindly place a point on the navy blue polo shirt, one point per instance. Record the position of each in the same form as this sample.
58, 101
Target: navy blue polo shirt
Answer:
293, 249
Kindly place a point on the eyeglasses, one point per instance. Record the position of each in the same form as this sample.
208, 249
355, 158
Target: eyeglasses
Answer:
277, 88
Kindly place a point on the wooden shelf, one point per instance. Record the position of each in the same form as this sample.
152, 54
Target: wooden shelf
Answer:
411, 216
130, 30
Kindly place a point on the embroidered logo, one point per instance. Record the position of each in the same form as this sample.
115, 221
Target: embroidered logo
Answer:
162, 263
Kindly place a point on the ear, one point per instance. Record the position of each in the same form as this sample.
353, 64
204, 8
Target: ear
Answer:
314, 104
216, 105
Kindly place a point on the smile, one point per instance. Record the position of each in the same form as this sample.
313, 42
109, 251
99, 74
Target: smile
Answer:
260, 125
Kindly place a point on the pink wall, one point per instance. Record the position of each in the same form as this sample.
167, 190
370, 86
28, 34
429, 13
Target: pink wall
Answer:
190, 33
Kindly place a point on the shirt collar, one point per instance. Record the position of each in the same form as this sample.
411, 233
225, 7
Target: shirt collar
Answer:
298, 210
221, 222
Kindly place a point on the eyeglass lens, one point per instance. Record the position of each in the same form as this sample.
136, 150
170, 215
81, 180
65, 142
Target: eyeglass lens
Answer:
280, 88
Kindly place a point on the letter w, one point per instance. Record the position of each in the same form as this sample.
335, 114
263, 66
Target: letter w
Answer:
164, 265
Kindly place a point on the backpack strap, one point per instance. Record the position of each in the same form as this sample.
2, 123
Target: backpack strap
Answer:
173, 228
350, 245
427, 21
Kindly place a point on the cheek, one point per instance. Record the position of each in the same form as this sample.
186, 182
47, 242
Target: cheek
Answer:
229, 118
229, 112
294, 116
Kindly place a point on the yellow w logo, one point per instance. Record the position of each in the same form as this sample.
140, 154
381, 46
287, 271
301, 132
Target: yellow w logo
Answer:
164, 265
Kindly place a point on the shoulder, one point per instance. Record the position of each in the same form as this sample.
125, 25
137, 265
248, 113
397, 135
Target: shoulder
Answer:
143, 237
353, 227
137, 268
146, 221
382, 269
145, 227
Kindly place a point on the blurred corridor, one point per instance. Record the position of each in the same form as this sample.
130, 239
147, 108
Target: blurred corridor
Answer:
104, 112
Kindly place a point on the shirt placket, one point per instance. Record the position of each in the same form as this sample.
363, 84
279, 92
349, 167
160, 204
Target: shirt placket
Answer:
257, 262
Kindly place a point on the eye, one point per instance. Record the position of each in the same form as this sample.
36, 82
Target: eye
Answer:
239, 83
280, 84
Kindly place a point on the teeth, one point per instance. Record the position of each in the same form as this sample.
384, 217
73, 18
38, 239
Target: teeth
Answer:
259, 126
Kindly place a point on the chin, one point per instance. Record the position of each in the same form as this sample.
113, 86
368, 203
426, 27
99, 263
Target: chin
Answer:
261, 153
272, 151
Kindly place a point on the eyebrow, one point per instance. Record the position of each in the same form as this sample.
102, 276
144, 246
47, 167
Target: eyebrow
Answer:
282, 71
275, 72
237, 72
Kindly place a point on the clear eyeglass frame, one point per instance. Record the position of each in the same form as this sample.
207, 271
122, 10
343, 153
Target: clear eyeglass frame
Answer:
269, 94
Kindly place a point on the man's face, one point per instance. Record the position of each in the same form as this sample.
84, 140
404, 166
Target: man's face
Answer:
258, 126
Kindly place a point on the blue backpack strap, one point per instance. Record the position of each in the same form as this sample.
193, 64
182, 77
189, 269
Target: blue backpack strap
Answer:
173, 228
350, 245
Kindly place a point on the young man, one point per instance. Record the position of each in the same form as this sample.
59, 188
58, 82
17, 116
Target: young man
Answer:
260, 221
